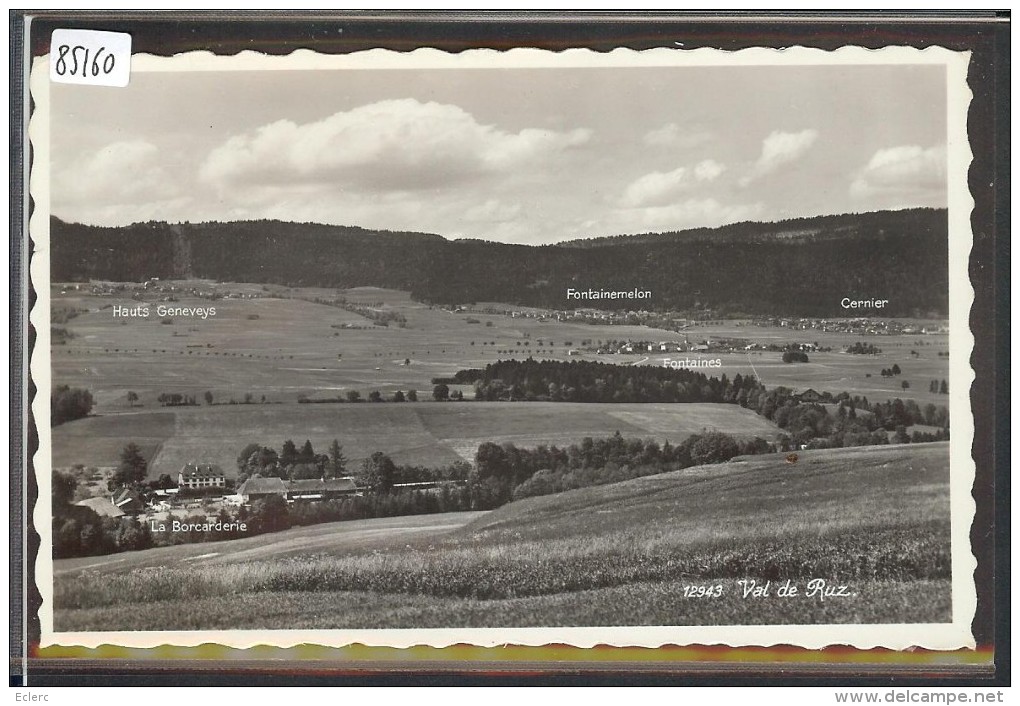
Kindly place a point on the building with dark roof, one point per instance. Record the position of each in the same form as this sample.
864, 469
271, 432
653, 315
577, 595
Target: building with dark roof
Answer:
259, 488
103, 506
195, 475
128, 501
316, 489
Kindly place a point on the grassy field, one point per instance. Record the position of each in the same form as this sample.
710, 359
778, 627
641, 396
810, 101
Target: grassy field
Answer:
426, 433
294, 347
330, 538
874, 519
98, 441
288, 346
275, 344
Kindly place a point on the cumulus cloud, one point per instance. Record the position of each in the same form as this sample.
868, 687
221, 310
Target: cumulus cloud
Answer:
904, 172
118, 173
778, 149
708, 170
400, 144
661, 188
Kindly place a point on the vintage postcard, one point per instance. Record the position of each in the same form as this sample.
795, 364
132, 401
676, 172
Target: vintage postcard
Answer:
628, 348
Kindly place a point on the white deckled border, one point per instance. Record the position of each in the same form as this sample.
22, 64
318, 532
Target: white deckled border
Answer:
954, 635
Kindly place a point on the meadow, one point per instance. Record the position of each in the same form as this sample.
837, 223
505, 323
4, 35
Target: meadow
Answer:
420, 433
272, 345
281, 345
873, 519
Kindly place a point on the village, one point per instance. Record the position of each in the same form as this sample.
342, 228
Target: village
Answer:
155, 289
204, 489
705, 345
858, 326
680, 321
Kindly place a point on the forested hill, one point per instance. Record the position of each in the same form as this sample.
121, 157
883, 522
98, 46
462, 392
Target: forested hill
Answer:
799, 230
801, 267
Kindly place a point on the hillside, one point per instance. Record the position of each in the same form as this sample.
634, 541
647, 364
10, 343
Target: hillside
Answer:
799, 267
873, 519
884, 485
799, 230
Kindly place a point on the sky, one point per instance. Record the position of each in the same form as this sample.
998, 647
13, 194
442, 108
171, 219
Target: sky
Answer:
515, 155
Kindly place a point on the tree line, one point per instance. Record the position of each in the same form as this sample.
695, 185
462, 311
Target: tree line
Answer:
589, 381
737, 275
862, 348
377, 473
506, 472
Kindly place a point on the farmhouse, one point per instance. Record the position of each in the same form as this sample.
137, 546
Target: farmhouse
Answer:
201, 476
259, 488
127, 501
809, 395
321, 489
103, 507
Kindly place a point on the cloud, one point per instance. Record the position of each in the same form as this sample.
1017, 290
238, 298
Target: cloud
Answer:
907, 171
400, 144
778, 149
708, 170
119, 173
661, 188
672, 135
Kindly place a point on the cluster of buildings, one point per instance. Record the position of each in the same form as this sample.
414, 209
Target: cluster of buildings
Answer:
171, 291
205, 477
859, 326
153, 285
258, 488
629, 347
610, 317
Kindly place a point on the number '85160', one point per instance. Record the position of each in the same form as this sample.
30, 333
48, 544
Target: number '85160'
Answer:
74, 61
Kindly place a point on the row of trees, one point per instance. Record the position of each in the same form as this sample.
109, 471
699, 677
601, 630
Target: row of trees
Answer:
354, 396
176, 399
440, 393
377, 473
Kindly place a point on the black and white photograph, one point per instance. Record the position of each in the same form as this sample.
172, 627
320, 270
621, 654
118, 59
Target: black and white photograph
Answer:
627, 348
